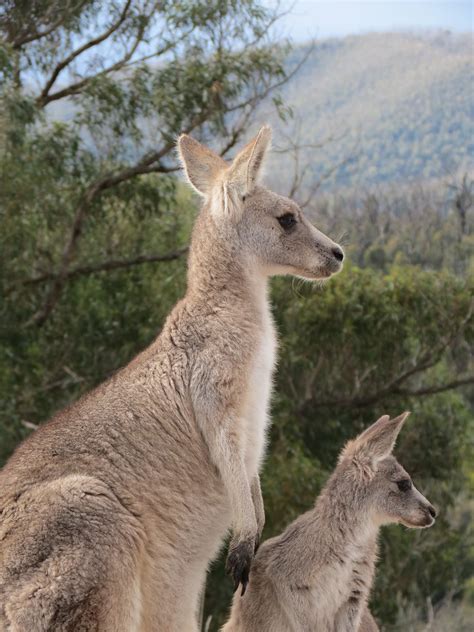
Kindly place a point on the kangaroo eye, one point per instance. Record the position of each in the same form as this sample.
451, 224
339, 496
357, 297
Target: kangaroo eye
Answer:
287, 221
404, 485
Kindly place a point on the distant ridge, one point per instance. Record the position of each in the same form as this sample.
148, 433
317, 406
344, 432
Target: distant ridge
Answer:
402, 102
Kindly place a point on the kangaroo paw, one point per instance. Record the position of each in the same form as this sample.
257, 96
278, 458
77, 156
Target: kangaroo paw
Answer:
238, 562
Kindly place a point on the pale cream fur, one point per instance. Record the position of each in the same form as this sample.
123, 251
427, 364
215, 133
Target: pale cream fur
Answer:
112, 511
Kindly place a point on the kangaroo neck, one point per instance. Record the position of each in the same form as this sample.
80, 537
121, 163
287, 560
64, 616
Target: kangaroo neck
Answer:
219, 274
347, 515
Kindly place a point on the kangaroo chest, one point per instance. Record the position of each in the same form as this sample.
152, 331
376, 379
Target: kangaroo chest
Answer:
258, 393
342, 589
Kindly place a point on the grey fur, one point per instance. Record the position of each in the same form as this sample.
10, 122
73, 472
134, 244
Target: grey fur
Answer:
111, 512
317, 575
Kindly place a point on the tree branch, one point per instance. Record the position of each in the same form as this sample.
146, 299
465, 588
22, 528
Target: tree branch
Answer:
437, 388
31, 36
44, 98
394, 387
363, 402
294, 147
149, 163
103, 266
259, 96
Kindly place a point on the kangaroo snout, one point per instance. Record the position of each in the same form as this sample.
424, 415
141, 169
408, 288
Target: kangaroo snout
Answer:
334, 256
432, 513
426, 516
338, 252
327, 255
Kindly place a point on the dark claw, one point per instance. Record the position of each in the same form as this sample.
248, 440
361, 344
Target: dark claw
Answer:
238, 563
257, 543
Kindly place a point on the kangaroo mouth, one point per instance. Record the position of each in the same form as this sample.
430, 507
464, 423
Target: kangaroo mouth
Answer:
312, 276
424, 523
320, 274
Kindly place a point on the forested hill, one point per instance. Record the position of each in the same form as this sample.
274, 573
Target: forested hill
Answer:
399, 104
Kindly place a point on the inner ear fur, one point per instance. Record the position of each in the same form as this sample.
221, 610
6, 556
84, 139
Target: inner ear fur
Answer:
201, 165
377, 442
246, 167
204, 169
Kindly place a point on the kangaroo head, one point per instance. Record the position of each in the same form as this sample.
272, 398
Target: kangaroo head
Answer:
390, 492
267, 230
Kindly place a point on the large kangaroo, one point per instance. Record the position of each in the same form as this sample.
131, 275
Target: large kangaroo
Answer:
112, 511
316, 576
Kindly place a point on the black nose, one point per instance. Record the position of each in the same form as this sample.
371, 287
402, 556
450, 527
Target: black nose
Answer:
337, 252
432, 511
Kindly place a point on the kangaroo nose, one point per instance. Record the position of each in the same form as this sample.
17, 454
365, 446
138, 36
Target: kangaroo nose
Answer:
337, 252
432, 511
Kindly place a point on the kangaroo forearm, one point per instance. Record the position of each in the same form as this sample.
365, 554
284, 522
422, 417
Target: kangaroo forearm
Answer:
225, 452
258, 502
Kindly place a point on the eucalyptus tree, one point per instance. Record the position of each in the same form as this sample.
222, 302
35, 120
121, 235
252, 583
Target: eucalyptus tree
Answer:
93, 96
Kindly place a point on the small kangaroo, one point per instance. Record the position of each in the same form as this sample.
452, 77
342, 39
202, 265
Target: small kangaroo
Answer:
111, 512
317, 575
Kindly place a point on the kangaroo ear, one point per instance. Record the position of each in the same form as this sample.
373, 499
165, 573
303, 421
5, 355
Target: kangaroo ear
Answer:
379, 439
200, 164
247, 165
375, 443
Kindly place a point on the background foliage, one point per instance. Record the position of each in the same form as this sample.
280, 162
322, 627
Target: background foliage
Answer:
95, 225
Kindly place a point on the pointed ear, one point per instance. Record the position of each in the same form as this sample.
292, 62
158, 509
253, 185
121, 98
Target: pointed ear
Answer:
247, 165
200, 164
378, 441
375, 443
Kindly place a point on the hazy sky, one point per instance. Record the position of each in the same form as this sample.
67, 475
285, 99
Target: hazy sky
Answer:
315, 18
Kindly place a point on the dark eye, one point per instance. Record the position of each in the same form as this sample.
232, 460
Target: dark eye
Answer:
404, 485
244, 197
287, 221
